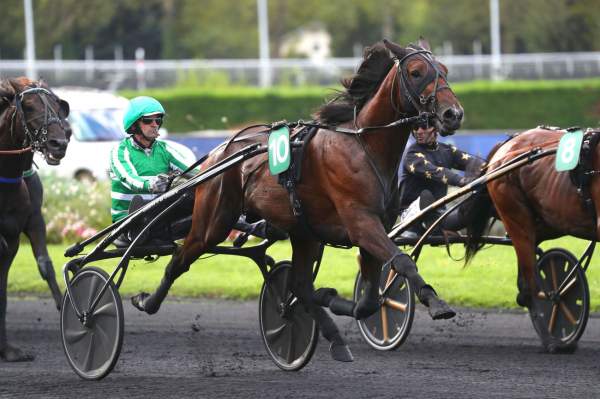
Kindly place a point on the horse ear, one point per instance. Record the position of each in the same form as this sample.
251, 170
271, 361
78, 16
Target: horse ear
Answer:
7, 93
396, 49
6, 90
424, 44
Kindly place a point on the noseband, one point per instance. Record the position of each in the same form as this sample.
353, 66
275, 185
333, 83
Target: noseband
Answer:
413, 94
35, 139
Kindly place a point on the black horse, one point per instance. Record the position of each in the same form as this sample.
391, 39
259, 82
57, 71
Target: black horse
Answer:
32, 118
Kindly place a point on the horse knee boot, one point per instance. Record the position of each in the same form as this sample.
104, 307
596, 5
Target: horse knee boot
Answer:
328, 297
46, 268
366, 307
406, 267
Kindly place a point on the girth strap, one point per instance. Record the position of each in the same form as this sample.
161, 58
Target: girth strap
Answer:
291, 177
582, 175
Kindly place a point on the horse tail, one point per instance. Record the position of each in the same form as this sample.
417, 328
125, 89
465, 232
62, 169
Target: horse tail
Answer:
481, 211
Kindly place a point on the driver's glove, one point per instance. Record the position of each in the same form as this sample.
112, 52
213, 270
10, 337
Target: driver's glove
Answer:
158, 184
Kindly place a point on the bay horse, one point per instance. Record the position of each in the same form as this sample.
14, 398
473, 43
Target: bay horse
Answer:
348, 188
32, 118
536, 203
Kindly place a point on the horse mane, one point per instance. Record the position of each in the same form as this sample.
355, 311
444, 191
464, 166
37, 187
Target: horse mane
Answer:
359, 88
10, 87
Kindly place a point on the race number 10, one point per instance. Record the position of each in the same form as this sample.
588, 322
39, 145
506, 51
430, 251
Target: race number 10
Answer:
279, 150
567, 154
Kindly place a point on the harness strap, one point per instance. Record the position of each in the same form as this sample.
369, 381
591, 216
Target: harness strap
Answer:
291, 177
10, 180
582, 175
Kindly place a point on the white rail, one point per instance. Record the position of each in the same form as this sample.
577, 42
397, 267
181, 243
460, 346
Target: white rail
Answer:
114, 74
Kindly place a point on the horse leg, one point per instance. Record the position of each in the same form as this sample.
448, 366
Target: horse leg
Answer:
520, 226
367, 232
8, 352
367, 305
35, 230
212, 220
370, 269
304, 254
3, 245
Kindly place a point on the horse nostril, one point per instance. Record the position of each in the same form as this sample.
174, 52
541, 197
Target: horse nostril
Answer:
452, 114
60, 145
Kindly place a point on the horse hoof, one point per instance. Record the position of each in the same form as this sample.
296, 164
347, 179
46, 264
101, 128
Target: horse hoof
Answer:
341, 353
438, 309
524, 300
557, 348
138, 300
12, 354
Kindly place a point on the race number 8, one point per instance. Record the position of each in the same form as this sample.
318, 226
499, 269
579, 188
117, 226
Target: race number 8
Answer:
568, 149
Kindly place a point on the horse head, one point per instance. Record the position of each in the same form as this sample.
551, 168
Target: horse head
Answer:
423, 86
38, 119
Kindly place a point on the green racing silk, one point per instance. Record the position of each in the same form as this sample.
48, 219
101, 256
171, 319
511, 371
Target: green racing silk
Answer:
131, 167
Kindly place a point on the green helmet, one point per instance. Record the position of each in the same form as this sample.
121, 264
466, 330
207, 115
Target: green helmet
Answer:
139, 107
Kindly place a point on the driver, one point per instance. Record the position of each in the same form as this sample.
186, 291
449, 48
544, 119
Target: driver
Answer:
141, 165
428, 171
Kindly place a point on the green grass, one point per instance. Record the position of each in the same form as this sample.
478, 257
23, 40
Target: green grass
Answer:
490, 281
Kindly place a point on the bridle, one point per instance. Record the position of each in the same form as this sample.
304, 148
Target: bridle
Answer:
35, 139
416, 99
414, 95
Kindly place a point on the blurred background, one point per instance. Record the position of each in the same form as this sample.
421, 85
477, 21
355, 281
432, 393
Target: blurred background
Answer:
139, 44
217, 65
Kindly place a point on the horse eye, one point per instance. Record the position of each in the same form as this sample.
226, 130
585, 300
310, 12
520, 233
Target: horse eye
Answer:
415, 74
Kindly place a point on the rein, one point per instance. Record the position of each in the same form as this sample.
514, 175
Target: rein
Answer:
16, 152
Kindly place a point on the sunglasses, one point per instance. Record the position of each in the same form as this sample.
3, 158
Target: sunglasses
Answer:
148, 120
421, 125
425, 123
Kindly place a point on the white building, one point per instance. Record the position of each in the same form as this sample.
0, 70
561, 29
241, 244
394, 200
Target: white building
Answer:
313, 42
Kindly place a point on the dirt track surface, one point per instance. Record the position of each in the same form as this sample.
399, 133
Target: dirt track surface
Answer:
211, 348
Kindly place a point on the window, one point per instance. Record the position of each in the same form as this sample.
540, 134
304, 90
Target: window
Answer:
97, 124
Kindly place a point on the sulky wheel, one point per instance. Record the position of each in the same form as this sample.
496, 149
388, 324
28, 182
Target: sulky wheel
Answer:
93, 344
387, 328
290, 334
560, 317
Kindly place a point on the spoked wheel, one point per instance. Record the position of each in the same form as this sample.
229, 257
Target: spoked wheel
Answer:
561, 316
387, 328
92, 345
290, 334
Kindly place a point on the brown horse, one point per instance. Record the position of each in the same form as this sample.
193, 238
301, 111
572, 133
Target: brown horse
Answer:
535, 203
348, 188
32, 119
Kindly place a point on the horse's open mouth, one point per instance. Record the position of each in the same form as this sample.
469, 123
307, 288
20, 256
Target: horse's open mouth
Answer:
52, 159
445, 130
